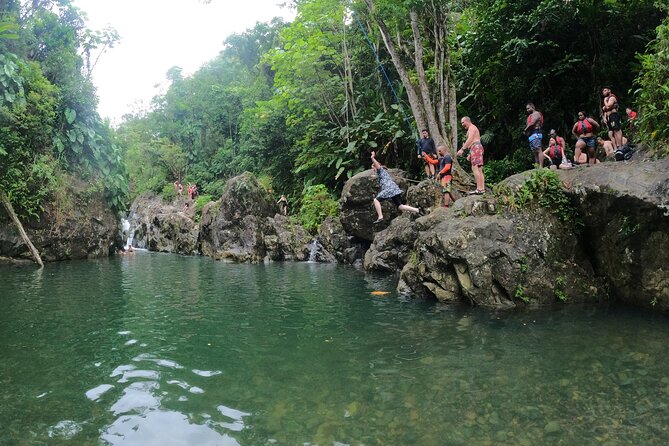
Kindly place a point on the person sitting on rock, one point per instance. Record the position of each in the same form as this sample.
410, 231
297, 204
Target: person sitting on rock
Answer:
389, 191
609, 150
555, 153
445, 174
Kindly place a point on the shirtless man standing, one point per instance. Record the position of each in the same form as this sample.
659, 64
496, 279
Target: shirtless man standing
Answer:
473, 143
612, 117
535, 121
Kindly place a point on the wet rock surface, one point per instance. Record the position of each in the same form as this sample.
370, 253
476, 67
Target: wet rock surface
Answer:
77, 225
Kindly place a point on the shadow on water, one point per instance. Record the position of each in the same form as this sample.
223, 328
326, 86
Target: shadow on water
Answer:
158, 349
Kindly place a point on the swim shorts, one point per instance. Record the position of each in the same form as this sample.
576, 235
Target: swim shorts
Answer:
396, 199
476, 154
613, 122
446, 185
590, 141
535, 140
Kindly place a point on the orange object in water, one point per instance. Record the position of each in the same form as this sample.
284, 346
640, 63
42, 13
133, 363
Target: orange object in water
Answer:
380, 293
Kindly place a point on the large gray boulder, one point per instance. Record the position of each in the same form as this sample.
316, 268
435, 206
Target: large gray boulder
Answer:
345, 248
286, 240
476, 253
356, 208
625, 211
392, 246
234, 227
163, 227
77, 225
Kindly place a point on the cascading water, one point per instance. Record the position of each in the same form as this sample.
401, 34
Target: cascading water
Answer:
126, 235
314, 246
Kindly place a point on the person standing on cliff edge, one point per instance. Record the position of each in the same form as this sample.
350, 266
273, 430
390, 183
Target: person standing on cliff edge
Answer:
473, 143
427, 149
389, 191
535, 121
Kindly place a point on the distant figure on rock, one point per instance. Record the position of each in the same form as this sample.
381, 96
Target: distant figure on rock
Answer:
389, 191
612, 117
186, 207
427, 149
473, 143
535, 121
283, 205
584, 130
445, 174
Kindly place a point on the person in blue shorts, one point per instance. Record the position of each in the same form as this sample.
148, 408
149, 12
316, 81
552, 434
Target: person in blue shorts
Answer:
535, 122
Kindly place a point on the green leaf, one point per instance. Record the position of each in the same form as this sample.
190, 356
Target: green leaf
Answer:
70, 115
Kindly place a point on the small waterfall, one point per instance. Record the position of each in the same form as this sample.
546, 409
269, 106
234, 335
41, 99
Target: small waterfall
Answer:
127, 233
314, 246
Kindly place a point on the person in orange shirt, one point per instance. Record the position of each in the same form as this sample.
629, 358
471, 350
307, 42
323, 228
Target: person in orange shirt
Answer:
444, 174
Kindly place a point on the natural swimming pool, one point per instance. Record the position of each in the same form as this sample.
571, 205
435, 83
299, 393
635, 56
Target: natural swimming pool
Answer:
157, 349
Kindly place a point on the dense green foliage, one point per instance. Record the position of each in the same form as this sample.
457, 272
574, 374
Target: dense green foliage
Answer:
653, 93
302, 104
49, 127
317, 205
543, 188
554, 53
305, 102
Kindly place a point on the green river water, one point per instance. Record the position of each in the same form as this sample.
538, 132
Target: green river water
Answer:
158, 349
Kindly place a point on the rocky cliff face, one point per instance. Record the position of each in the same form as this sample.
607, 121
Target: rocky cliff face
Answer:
78, 225
491, 255
625, 210
474, 254
163, 227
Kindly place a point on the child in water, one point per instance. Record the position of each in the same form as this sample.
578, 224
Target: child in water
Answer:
389, 191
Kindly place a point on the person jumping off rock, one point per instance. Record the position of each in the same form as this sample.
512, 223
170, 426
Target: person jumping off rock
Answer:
389, 191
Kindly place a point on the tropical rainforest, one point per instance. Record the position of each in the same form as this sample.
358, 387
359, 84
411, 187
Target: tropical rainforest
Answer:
302, 104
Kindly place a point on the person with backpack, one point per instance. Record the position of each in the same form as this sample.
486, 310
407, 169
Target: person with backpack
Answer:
584, 131
535, 121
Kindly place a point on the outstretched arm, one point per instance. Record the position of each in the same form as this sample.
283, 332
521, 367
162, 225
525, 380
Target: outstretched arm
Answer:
375, 163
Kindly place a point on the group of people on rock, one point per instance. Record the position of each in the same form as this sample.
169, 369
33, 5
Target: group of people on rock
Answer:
439, 163
191, 190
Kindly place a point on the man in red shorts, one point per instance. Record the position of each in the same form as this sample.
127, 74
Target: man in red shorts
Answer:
473, 143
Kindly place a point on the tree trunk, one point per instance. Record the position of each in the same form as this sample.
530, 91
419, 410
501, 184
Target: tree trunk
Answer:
19, 226
414, 101
422, 81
